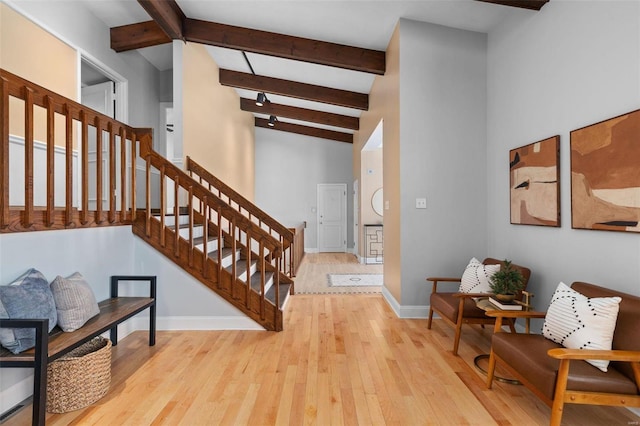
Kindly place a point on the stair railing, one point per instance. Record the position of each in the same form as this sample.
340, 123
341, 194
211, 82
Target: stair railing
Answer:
251, 211
102, 196
227, 224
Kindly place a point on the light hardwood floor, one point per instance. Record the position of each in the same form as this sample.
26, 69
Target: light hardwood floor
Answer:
342, 359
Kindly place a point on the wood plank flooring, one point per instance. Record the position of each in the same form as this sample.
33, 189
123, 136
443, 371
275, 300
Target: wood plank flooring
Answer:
342, 360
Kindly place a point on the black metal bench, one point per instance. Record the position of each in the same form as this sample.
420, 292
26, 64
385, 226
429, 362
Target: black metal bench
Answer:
51, 346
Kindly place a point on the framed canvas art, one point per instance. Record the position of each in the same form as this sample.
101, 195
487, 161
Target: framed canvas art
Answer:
534, 177
605, 175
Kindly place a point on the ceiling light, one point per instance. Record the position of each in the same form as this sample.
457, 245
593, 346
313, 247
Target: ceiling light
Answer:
272, 120
261, 99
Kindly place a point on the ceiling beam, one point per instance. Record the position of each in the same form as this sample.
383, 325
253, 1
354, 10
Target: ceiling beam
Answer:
306, 130
302, 114
137, 36
168, 15
523, 4
295, 89
170, 20
285, 46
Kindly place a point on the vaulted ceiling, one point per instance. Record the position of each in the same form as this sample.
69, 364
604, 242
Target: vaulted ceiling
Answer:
315, 61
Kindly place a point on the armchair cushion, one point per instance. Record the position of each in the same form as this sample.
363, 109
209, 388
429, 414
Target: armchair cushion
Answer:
527, 354
578, 322
476, 277
447, 305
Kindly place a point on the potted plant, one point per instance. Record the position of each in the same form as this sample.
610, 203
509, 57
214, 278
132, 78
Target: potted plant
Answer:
506, 282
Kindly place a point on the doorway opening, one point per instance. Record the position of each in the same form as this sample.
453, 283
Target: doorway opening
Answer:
371, 199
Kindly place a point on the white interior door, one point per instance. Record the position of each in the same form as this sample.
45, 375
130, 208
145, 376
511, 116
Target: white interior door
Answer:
332, 217
356, 214
99, 97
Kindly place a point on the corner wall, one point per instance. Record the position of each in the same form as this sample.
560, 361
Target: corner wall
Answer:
216, 133
572, 64
442, 154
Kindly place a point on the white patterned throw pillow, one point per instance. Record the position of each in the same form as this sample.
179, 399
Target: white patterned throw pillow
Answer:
476, 277
578, 322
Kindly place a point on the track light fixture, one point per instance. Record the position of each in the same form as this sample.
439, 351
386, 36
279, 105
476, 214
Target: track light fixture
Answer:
261, 99
272, 120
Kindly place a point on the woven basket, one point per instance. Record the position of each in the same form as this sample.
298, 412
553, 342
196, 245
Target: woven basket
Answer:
79, 378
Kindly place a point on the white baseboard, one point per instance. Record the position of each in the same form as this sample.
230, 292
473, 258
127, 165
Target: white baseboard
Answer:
196, 323
405, 311
311, 250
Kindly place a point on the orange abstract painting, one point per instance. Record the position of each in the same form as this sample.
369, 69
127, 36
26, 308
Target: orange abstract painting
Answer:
605, 175
534, 180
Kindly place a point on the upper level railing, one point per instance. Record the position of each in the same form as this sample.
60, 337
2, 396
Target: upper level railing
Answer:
250, 211
81, 175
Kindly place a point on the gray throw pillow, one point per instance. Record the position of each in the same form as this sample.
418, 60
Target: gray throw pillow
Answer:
28, 297
75, 301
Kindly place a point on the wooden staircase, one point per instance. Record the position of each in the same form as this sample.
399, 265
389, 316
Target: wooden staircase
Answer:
216, 237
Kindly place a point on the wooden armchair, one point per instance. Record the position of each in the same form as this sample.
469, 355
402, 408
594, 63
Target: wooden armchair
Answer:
558, 375
460, 308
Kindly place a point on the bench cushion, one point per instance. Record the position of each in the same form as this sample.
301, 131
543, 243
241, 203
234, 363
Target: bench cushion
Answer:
527, 353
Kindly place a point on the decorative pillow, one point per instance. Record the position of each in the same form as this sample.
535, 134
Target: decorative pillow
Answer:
578, 322
75, 301
28, 297
476, 277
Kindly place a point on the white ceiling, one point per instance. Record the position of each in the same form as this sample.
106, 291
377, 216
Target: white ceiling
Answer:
359, 23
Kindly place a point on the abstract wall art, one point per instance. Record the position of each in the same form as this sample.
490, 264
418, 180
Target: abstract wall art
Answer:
605, 175
534, 182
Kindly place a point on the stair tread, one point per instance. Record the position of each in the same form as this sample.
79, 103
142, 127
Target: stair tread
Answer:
200, 240
226, 251
241, 266
284, 294
255, 280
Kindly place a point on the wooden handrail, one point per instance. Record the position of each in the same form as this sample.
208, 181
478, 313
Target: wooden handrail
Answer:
213, 201
284, 234
236, 197
32, 217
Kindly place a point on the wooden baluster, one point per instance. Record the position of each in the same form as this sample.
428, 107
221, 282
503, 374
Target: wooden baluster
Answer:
68, 156
205, 247
234, 272
98, 214
163, 196
123, 174
85, 168
177, 224
148, 196
4, 152
134, 138
248, 276
276, 282
28, 157
220, 244
262, 278
112, 173
51, 151
191, 245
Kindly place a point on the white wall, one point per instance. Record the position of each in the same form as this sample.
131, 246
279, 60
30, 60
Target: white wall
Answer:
288, 169
572, 64
442, 153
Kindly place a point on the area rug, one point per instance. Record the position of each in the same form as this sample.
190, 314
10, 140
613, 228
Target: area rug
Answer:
355, 280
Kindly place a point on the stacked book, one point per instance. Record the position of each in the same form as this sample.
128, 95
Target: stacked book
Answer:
506, 306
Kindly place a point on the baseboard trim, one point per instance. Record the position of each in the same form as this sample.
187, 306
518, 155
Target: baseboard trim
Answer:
405, 311
191, 323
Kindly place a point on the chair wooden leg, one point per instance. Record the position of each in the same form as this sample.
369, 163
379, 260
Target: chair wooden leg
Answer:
558, 397
430, 318
456, 341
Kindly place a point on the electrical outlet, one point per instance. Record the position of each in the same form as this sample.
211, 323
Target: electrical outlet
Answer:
421, 203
